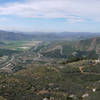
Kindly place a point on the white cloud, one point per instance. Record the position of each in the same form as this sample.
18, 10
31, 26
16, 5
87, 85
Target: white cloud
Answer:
54, 9
74, 20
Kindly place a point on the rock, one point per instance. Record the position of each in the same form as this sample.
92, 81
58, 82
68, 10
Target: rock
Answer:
85, 95
94, 89
45, 99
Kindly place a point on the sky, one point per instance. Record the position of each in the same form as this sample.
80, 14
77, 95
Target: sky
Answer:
50, 15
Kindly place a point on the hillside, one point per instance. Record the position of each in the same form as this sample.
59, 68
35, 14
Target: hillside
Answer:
61, 81
49, 70
90, 44
66, 50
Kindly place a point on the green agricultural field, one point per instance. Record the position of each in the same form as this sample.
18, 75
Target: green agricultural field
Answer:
19, 45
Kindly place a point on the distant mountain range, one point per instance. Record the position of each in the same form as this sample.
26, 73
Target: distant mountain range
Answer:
6, 35
9, 36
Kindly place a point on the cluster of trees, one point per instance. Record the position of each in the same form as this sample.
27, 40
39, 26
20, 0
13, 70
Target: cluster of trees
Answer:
8, 52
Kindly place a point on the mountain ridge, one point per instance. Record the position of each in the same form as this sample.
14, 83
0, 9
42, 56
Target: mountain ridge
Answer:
7, 35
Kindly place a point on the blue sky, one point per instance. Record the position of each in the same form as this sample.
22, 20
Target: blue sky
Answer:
50, 15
